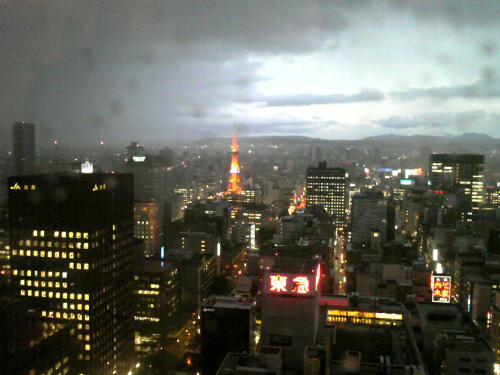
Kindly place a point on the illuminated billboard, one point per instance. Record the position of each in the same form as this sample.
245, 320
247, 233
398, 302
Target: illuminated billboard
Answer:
441, 289
290, 284
407, 182
413, 172
87, 167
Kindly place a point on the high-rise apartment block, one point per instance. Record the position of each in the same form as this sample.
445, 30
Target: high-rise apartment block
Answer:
71, 252
326, 187
369, 217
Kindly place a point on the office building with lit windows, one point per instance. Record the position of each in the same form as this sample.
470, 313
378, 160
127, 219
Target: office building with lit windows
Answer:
29, 346
71, 253
459, 173
326, 187
157, 298
149, 226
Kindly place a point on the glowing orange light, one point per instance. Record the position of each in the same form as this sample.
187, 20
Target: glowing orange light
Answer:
278, 283
300, 285
233, 185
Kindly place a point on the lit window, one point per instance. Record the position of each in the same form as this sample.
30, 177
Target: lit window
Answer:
35, 233
56, 233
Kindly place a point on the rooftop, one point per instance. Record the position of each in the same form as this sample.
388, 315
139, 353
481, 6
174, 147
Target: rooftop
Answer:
228, 302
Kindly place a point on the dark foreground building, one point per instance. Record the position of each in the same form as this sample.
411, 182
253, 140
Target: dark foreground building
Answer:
71, 244
31, 347
226, 326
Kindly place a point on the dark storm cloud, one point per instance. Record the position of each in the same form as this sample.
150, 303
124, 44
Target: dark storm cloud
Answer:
162, 69
480, 90
368, 95
478, 120
457, 13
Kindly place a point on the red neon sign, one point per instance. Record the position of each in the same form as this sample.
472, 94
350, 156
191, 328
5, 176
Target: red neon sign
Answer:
300, 285
278, 283
318, 277
441, 289
293, 284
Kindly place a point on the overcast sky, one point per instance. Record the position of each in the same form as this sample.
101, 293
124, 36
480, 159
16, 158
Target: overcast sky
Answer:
158, 70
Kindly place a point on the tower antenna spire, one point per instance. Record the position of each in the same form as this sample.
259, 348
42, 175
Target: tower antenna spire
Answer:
233, 185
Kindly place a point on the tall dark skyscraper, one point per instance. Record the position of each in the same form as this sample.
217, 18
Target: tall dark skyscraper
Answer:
71, 249
23, 142
369, 217
326, 187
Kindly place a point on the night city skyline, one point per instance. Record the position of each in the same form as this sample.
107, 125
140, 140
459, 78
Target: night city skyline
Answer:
249, 187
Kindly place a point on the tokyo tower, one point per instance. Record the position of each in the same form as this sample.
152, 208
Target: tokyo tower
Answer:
233, 185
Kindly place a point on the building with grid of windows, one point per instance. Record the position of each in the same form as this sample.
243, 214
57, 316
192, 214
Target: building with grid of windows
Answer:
460, 173
326, 187
149, 226
157, 297
71, 253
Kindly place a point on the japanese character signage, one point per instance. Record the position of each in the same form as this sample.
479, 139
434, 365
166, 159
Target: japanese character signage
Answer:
441, 289
290, 284
16, 186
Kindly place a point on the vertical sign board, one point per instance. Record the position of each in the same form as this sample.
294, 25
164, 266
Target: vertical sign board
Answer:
441, 289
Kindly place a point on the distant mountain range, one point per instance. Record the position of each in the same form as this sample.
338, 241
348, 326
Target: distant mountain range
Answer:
471, 139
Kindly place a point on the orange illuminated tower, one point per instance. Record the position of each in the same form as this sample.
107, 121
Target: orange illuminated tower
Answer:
233, 185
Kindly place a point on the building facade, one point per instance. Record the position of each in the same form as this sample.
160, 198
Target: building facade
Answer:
326, 187
71, 250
